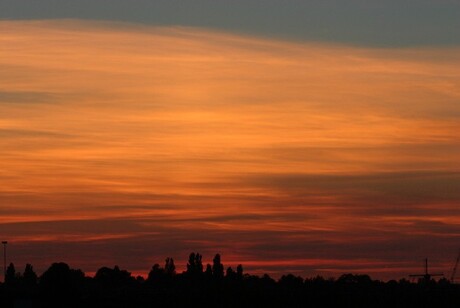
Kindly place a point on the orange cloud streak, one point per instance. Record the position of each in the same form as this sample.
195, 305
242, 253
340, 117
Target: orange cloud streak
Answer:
201, 131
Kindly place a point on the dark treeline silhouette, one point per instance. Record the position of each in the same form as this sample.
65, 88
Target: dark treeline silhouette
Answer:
213, 286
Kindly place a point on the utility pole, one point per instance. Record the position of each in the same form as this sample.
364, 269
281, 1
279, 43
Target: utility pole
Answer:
4, 259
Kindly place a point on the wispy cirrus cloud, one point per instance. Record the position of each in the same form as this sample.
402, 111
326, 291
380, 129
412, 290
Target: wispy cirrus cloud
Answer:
159, 141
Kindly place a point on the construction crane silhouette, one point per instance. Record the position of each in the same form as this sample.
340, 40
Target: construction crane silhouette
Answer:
427, 276
454, 271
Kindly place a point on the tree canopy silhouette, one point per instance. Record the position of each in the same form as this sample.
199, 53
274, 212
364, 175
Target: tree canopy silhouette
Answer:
62, 286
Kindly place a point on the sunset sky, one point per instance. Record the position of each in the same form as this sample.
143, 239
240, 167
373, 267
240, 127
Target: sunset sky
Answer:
305, 137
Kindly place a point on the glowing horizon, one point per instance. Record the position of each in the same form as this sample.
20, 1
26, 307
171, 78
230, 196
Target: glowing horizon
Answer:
123, 144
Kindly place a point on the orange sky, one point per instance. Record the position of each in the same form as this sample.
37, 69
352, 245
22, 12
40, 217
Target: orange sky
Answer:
124, 144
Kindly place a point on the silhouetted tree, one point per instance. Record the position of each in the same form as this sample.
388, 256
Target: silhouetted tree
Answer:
217, 267
60, 284
10, 277
170, 268
113, 276
156, 273
291, 281
230, 273
208, 271
195, 265
354, 279
29, 277
239, 271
